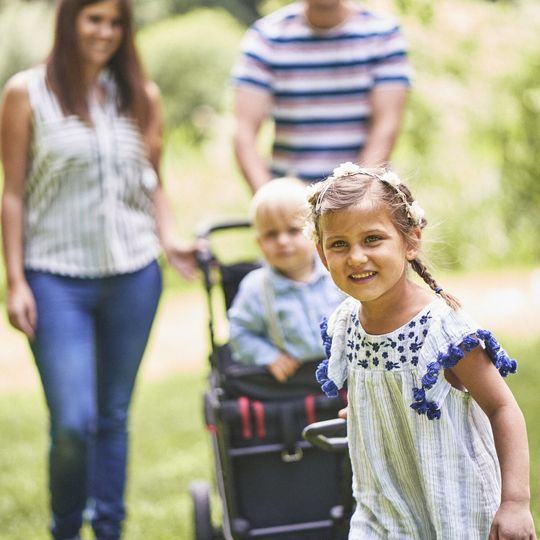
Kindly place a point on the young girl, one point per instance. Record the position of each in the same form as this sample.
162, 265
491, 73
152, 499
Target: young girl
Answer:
438, 443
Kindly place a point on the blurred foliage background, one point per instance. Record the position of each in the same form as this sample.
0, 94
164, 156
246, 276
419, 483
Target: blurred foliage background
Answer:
469, 147
470, 140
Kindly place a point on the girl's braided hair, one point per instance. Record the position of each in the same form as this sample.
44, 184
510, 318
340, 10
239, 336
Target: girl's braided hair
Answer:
349, 184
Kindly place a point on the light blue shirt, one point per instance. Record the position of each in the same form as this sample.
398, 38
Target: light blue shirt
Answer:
298, 307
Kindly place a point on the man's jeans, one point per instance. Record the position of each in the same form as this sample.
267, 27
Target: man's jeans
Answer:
90, 339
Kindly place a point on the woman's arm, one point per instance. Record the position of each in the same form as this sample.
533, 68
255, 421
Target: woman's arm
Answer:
15, 133
488, 388
179, 255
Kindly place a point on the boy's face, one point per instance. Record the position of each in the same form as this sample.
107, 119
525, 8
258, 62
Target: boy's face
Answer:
283, 243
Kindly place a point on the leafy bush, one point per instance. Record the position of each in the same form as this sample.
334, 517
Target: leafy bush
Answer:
190, 58
26, 30
470, 140
517, 134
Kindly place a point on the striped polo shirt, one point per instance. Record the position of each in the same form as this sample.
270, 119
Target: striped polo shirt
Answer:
320, 82
89, 191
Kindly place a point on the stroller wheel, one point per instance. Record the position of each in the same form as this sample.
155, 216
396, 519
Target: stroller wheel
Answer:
202, 519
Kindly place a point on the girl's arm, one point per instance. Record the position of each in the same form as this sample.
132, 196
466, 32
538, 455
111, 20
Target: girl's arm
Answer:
488, 388
15, 133
179, 255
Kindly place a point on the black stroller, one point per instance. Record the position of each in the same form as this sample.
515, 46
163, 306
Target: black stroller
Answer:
272, 484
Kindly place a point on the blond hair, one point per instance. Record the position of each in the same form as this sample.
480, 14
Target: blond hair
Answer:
284, 196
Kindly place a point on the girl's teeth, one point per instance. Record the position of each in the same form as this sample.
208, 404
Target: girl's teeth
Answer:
363, 275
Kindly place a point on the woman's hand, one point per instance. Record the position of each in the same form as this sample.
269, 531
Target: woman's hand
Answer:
21, 308
513, 521
182, 258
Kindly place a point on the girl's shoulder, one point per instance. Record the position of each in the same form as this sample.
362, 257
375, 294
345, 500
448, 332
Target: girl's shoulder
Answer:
338, 320
450, 325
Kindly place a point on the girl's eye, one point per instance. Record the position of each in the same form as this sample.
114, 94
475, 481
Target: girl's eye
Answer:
293, 231
338, 244
372, 238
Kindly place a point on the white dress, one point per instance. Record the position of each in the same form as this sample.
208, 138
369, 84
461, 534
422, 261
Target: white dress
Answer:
422, 452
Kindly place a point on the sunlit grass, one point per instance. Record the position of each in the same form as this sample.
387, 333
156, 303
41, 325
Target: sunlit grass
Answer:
169, 449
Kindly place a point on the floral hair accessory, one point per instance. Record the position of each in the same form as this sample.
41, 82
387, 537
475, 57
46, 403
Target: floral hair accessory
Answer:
346, 169
390, 177
416, 213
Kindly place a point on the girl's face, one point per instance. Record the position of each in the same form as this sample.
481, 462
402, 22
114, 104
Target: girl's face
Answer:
364, 252
284, 245
99, 32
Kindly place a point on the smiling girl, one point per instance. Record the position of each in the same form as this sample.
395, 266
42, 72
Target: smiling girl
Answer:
84, 217
437, 441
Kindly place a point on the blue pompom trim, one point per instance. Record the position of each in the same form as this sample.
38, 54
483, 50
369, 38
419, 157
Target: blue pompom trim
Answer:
321, 374
449, 359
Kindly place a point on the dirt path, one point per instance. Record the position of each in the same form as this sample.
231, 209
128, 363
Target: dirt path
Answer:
507, 303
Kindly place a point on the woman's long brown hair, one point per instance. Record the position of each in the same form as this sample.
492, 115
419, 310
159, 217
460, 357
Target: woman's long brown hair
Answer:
64, 73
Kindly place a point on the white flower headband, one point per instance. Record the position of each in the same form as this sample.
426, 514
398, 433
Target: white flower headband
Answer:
414, 211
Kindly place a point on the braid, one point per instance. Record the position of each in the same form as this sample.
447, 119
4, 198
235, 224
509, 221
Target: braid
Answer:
420, 268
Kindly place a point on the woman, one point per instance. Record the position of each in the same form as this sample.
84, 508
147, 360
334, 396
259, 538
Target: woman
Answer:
84, 216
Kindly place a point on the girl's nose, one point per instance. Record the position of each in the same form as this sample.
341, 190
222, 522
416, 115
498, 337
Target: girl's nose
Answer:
357, 255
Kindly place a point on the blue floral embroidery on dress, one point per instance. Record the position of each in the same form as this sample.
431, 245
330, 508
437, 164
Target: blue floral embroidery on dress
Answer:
449, 359
321, 374
371, 352
365, 353
391, 365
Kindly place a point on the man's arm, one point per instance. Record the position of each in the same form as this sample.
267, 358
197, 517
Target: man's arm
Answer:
251, 108
388, 105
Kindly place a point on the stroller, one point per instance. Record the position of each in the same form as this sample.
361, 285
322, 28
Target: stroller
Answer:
272, 484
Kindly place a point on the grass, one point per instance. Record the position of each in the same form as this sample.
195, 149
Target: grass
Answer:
169, 449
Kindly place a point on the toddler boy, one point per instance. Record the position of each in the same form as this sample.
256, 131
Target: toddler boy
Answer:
275, 316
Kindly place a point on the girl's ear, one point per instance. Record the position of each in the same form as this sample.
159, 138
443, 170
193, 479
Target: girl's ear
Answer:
321, 255
414, 243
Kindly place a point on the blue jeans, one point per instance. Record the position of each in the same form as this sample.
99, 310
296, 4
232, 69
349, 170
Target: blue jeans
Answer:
89, 342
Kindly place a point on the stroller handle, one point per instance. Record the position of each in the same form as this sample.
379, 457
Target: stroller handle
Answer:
321, 434
204, 254
207, 230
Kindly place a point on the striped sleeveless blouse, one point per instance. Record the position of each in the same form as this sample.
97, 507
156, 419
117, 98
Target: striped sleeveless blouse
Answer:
89, 189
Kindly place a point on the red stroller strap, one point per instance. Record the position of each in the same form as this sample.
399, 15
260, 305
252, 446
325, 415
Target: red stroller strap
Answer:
258, 409
243, 407
309, 407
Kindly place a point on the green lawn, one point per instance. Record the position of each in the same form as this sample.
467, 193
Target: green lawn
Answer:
169, 449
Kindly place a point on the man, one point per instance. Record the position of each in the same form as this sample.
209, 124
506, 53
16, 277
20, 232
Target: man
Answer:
334, 78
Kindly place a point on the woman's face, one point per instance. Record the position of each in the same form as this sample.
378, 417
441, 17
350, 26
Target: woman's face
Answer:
99, 32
